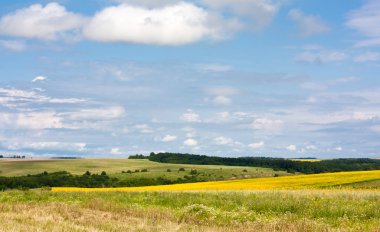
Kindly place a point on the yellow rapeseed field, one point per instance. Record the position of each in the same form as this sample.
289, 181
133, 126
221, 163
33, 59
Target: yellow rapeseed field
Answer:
306, 160
315, 181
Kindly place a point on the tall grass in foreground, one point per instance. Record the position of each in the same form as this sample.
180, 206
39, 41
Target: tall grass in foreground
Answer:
191, 211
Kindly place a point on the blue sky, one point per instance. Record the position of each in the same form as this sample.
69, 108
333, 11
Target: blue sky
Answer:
110, 78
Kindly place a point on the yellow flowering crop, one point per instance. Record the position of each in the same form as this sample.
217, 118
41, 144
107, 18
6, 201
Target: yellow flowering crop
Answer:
315, 181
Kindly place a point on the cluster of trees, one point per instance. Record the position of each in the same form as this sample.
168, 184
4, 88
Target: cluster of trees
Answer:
57, 179
333, 165
87, 180
13, 157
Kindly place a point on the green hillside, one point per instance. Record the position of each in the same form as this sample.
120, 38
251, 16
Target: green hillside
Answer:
119, 167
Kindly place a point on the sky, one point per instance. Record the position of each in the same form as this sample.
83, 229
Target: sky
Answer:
112, 78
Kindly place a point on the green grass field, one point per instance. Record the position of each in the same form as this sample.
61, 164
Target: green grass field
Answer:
294, 211
279, 208
115, 167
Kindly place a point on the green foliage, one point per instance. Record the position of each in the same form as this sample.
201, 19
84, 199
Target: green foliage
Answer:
181, 169
57, 179
334, 165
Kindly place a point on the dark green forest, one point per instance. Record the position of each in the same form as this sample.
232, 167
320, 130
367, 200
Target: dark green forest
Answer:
332, 165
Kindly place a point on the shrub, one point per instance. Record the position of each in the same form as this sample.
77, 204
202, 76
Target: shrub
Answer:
193, 172
181, 169
168, 170
144, 170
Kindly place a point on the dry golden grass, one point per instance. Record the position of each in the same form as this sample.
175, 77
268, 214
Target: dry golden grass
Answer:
316, 181
208, 211
64, 217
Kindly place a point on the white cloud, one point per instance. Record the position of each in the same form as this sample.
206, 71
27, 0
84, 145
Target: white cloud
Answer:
169, 138
14, 45
222, 91
190, 142
308, 25
214, 68
41, 22
190, 116
375, 128
321, 56
223, 141
61, 146
366, 21
19, 96
116, 151
144, 128
267, 125
367, 56
109, 113
258, 13
291, 148
222, 100
339, 149
147, 3
178, 24
311, 147
258, 145
39, 78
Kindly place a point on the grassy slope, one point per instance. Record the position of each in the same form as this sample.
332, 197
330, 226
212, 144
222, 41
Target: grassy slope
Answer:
316, 181
198, 211
114, 167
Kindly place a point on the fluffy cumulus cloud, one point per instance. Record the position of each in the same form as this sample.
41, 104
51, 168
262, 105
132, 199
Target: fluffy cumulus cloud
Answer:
166, 22
291, 148
308, 25
257, 145
190, 143
223, 141
177, 24
169, 138
41, 22
115, 151
366, 21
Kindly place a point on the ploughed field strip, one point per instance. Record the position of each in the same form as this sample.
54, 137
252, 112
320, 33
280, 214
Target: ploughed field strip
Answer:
315, 181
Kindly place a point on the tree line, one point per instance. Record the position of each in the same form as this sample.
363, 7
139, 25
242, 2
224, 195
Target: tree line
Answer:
87, 180
323, 166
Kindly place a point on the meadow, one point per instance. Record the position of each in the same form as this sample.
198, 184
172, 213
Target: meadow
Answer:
281, 210
118, 168
342, 201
